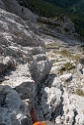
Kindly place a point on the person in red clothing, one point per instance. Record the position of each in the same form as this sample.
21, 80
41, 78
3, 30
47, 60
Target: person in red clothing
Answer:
35, 120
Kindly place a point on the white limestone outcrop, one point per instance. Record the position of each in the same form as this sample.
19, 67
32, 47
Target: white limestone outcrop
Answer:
23, 62
12, 109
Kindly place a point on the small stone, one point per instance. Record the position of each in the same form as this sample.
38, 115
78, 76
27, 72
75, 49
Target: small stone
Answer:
66, 77
58, 119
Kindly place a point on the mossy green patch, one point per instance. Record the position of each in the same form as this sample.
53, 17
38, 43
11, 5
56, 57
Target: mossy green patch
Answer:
77, 57
80, 92
65, 53
66, 67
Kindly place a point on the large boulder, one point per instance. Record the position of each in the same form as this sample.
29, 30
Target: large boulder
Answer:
40, 70
12, 110
50, 99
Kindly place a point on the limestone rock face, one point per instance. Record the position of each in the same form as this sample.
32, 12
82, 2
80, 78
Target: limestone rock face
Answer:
25, 80
72, 111
39, 69
58, 105
19, 45
23, 64
50, 105
2, 6
62, 23
50, 99
11, 5
12, 109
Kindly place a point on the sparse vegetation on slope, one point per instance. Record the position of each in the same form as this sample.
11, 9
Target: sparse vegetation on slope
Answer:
51, 8
66, 67
42, 7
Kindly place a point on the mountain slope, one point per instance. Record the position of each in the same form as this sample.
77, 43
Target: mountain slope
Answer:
24, 65
74, 9
41, 7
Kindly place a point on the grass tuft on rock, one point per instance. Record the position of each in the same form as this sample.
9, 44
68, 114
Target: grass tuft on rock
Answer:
65, 53
66, 67
79, 92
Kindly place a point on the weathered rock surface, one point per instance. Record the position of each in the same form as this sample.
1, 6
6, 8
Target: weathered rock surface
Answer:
21, 46
66, 77
69, 79
58, 105
12, 109
24, 13
23, 62
50, 105
24, 70
2, 6
60, 24
50, 98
